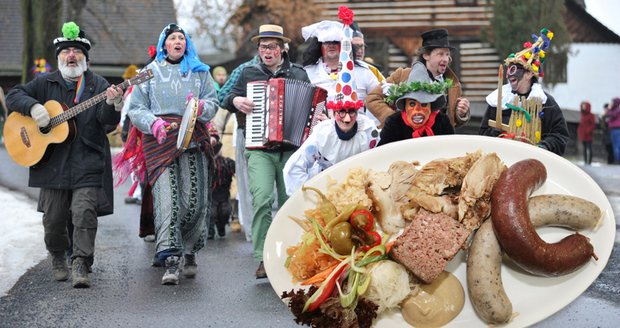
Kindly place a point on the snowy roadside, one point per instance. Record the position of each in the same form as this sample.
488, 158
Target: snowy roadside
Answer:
21, 235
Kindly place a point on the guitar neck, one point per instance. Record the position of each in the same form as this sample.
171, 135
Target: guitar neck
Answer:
75, 110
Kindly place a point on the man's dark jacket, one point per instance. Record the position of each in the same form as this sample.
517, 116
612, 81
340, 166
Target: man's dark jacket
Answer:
83, 161
260, 72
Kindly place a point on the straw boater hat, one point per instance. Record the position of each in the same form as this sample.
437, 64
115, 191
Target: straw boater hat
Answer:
270, 31
533, 54
72, 36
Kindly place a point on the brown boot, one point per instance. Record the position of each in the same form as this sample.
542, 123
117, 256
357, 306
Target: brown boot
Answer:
260, 272
80, 273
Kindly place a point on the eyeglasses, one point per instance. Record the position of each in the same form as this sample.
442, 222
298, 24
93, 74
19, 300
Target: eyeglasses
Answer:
342, 113
265, 47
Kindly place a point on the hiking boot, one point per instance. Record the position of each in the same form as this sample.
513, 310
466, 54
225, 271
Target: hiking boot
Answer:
79, 273
60, 271
260, 272
190, 268
221, 231
171, 276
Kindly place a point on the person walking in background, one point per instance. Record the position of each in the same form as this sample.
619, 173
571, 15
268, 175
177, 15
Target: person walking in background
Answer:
419, 111
614, 127
523, 70
244, 198
585, 131
264, 165
321, 58
435, 54
180, 179
223, 172
72, 180
606, 139
336, 139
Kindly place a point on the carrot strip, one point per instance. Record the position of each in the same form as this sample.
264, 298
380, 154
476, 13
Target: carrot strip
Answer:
319, 277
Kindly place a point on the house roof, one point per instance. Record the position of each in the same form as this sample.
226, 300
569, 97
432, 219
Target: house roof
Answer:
584, 28
119, 31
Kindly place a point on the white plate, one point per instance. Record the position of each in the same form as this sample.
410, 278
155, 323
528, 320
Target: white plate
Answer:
534, 298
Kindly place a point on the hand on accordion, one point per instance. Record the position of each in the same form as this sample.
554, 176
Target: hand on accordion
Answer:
243, 104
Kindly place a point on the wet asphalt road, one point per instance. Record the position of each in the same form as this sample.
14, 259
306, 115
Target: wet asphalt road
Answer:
126, 290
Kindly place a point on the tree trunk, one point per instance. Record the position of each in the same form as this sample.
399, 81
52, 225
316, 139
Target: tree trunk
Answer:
41, 23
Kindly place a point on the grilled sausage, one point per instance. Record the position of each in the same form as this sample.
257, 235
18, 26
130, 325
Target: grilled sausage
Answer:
484, 280
515, 232
564, 211
484, 257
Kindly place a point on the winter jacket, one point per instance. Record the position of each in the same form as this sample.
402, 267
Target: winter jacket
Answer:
614, 114
375, 101
587, 123
554, 132
260, 72
395, 128
80, 161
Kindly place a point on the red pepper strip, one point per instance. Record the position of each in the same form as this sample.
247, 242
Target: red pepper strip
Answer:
377, 241
369, 225
326, 289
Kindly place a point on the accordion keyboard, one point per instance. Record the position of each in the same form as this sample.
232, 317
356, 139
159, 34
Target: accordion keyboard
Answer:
255, 123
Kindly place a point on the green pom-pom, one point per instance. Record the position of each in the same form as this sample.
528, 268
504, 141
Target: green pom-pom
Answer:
544, 31
70, 30
511, 55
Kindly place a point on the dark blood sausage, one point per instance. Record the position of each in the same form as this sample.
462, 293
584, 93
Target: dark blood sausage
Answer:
515, 232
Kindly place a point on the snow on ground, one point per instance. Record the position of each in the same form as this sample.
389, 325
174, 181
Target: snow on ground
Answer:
21, 234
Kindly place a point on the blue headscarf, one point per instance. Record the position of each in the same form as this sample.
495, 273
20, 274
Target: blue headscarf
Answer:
190, 58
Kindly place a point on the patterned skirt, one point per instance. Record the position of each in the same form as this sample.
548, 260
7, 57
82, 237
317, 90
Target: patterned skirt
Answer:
181, 204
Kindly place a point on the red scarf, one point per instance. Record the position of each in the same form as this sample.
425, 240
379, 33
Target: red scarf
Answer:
426, 128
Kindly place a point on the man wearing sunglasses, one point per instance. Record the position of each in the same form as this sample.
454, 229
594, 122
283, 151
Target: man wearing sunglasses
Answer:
522, 72
264, 165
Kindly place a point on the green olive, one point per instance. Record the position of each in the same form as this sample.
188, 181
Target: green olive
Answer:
340, 238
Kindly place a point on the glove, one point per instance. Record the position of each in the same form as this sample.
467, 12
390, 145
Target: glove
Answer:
385, 87
40, 115
159, 130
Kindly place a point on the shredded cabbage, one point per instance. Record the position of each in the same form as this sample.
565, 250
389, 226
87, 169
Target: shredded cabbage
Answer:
389, 284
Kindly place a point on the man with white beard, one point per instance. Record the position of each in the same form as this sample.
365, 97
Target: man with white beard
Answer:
72, 178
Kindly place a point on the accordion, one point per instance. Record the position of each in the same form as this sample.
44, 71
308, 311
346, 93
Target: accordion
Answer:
285, 111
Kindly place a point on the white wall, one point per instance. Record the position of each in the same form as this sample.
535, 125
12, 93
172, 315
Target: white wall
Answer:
593, 74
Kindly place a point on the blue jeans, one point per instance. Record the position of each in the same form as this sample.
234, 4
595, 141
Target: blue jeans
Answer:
615, 141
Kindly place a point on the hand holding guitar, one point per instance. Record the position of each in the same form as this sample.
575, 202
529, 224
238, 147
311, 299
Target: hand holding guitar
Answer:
40, 115
158, 129
113, 95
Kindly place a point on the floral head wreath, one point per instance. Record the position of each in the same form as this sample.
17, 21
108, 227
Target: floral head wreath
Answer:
533, 54
401, 89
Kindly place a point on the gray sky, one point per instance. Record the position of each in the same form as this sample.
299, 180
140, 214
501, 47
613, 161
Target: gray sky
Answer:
606, 12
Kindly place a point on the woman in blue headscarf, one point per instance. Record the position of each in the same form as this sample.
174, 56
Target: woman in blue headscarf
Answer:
179, 178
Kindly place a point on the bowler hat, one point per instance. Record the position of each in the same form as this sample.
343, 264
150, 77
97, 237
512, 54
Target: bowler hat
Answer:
437, 38
270, 31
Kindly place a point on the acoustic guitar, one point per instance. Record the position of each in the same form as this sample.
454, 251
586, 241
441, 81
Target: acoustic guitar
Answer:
28, 145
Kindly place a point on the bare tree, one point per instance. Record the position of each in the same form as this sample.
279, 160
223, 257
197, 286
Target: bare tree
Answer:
41, 25
212, 18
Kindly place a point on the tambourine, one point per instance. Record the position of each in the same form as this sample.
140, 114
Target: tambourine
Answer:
187, 124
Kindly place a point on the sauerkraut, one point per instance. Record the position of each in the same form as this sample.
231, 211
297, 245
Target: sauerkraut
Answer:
389, 284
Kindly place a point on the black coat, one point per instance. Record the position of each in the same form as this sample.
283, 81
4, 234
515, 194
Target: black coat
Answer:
554, 132
395, 128
84, 160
